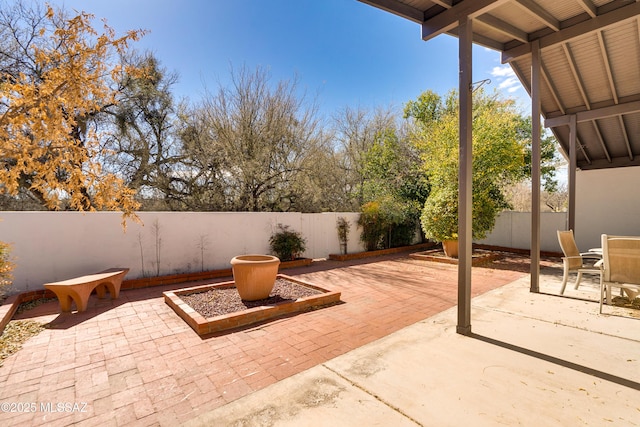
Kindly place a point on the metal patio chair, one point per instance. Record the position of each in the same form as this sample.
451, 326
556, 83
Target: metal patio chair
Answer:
575, 261
620, 266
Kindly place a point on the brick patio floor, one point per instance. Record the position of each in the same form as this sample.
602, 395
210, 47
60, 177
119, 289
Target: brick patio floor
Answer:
134, 362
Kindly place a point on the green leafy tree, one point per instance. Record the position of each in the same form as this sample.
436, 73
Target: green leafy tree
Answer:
392, 166
549, 157
499, 152
397, 184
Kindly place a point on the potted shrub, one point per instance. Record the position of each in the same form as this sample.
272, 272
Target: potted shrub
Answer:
439, 219
288, 245
343, 227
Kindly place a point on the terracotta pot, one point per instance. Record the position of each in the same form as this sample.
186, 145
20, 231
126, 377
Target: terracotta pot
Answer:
254, 275
450, 248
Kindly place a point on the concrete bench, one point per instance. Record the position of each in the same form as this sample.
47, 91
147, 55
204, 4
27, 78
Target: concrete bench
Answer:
79, 289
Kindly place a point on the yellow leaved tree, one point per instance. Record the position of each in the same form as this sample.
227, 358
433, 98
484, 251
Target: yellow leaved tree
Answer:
46, 145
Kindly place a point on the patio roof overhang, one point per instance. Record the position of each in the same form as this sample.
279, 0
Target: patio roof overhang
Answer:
580, 62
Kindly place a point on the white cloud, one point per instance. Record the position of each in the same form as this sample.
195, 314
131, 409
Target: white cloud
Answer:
508, 83
504, 71
506, 78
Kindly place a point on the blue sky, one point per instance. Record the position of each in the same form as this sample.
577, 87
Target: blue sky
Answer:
343, 52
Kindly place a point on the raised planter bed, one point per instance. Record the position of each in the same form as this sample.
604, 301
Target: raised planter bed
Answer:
478, 257
205, 326
516, 250
367, 254
300, 262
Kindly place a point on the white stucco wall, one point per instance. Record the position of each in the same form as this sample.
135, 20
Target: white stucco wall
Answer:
513, 230
607, 202
52, 246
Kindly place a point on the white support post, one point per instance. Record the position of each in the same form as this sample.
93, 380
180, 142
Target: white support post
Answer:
465, 36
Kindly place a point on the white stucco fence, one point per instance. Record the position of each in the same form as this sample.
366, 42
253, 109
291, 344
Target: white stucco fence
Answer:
607, 202
513, 230
52, 246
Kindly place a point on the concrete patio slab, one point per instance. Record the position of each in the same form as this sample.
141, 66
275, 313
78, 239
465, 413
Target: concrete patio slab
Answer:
316, 397
532, 360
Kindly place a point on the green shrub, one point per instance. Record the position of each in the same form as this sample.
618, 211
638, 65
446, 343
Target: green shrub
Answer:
343, 227
388, 223
440, 214
403, 234
374, 227
286, 244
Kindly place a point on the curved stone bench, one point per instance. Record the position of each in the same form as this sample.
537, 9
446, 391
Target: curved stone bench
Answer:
79, 289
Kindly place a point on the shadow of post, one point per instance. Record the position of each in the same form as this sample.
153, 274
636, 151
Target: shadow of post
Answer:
560, 362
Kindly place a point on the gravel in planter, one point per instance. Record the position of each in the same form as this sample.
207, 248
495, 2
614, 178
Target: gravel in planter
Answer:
216, 302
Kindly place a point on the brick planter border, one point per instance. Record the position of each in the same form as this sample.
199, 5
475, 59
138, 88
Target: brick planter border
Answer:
205, 326
368, 254
476, 259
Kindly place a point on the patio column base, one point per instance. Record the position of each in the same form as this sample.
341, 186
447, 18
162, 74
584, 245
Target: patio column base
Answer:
464, 330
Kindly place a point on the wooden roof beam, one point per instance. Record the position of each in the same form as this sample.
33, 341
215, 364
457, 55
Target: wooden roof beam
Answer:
616, 162
625, 135
596, 113
481, 40
492, 22
588, 7
539, 13
601, 139
503, 27
576, 75
444, 3
552, 88
448, 19
598, 23
607, 66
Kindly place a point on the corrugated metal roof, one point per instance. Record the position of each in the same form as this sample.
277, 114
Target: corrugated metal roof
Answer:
590, 52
